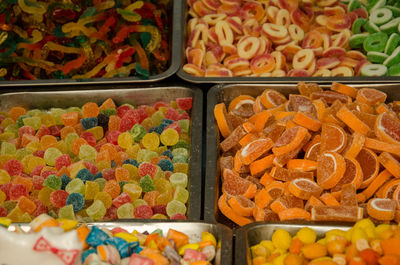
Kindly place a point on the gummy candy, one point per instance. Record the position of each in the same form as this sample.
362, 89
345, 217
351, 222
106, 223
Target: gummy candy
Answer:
76, 200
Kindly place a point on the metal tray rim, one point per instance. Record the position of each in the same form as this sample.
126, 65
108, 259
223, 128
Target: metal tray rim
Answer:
172, 69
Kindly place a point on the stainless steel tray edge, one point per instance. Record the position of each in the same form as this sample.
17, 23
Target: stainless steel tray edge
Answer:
47, 99
253, 233
192, 229
176, 55
225, 93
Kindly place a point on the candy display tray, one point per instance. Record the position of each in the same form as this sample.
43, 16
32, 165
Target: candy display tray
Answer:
175, 36
252, 234
260, 80
225, 93
192, 229
136, 96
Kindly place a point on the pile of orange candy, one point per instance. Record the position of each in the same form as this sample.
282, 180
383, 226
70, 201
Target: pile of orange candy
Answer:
318, 155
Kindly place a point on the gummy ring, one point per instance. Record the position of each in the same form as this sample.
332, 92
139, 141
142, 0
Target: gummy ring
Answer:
349, 62
326, 3
272, 12
231, 9
357, 40
253, 10
341, 39
289, 51
195, 56
297, 73
377, 57
248, 46
374, 70
357, 55
280, 60
211, 58
394, 58
262, 64
241, 71
312, 68
312, 40
381, 16
394, 70
357, 24
211, 4
218, 73
192, 24
212, 19
264, 46
322, 73
375, 42
193, 70
295, 32
283, 18
229, 49
224, 33
391, 26
334, 11
250, 26
326, 41
278, 73
236, 24
264, 75
275, 31
200, 9
338, 23
283, 41
212, 36
236, 62
392, 43
327, 63
200, 29
322, 20
303, 59
342, 71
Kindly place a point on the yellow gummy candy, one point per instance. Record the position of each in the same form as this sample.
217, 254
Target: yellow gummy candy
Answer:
128, 237
194, 246
207, 236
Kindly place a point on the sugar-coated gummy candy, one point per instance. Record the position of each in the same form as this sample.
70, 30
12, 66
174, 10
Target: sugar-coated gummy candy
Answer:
91, 189
85, 175
97, 210
147, 169
179, 179
146, 183
75, 185
16, 191
174, 207
166, 165
121, 199
131, 162
76, 200
125, 211
143, 211
181, 194
59, 198
53, 182
105, 198
67, 212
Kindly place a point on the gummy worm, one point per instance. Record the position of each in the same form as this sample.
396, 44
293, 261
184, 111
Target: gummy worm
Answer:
37, 8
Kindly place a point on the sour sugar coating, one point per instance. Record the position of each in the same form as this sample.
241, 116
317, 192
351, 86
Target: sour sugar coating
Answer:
95, 162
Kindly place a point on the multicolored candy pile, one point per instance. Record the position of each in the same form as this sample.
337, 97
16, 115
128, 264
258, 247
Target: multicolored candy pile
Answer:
292, 38
83, 39
67, 242
96, 162
362, 244
321, 155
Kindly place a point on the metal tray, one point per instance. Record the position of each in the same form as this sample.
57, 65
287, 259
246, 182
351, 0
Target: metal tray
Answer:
257, 80
251, 234
225, 93
175, 43
122, 95
192, 229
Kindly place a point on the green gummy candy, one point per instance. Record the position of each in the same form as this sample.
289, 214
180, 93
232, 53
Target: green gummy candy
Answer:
375, 42
146, 183
395, 10
371, 27
358, 23
23, 152
101, 183
180, 151
181, 144
354, 4
87, 153
181, 194
184, 125
179, 159
125, 211
374, 70
53, 182
376, 57
381, 16
138, 202
145, 155
75, 185
392, 43
373, 4
67, 212
394, 58
20, 120
179, 179
137, 132
394, 70
34, 122
97, 210
109, 112
391, 26
50, 155
174, 207
8, 148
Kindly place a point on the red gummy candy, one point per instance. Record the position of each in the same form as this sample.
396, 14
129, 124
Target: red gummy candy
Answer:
174, 126
16, 191
91, 167
147, 169
54, 130
160, 104
13, 167
37, 181
130, 118
26, 130
108, 174
59, 198
184, 103
47, 173
112, 137
62, 161
122, 110
43, 130
142, 114
121, 199
178, 216
37, 170
161, 208
172, 114
39, 153
40, 207
111, 213
143, 211
89, 137
3, 212
184, 116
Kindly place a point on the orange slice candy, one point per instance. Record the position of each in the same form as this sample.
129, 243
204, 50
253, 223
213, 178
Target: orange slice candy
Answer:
304, 188
382, 146
387, 190
356, 144
228, 212
307, 121
352, 175
294, 214
239, 101
351, 120
289, 140
271, 98
381, 209
241, 205
235, 185
302, 164
331, 167
333, 138
387, 128
374, 185
344, 89
286, 202
370, 96
336, 213
390, 163
369, 164
220, 116
255, 149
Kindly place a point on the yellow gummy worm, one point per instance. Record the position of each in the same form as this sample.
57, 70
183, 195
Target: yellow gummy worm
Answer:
36, 8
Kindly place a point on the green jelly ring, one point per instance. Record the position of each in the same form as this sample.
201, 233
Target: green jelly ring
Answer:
394, 58
375, 42
391, 26
374, 70
353, 5
358, 23
373, 4
377, 57
357, 40
395, 10
394, 70
392, 43
371, 27
381, 16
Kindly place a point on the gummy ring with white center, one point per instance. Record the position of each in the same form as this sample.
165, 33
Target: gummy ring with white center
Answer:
381, 16
265, 45
236, 62
278, 73
313, 39
212, 19
373, 70
342, 71
322, 73
221, 72
322, 20
248, 46
224, 33
303, 59
241, 71
272, 11
295, 32
229, 49
262, 64
193, 70
280, 60
236, 24
283, 41
275, 31
283, 18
